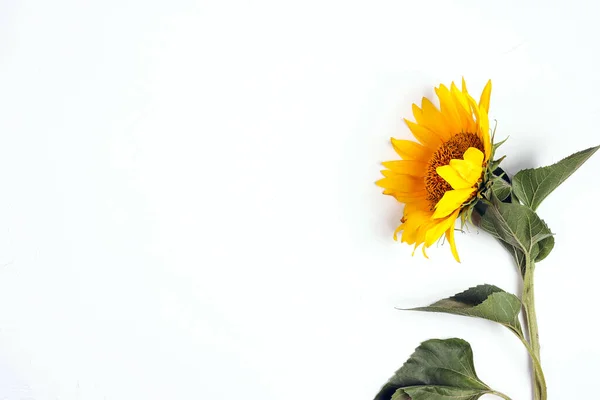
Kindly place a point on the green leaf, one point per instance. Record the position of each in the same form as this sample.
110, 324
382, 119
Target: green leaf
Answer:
443, 393
400, 395
501, 189
495, 165
498, 144
532, 186
545, 246
483, 301
517, 255
518, 229
437, 370
515, 224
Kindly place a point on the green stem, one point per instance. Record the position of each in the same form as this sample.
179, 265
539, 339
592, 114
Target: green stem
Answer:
505, 397
532, 327
540, 380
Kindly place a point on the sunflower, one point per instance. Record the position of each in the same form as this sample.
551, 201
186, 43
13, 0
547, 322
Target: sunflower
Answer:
440, 175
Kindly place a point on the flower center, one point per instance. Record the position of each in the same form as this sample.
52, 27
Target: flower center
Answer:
454, 148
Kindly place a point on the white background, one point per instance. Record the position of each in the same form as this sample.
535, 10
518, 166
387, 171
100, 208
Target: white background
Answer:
188, 208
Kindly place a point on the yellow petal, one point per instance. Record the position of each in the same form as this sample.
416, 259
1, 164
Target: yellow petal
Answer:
448, 108
424, 135
474, 156
390, 173
424, 252
404, 197
409, 150
468, 171
451, 201
402, 183
438, 229
464, 86
407, 167
412, 223
398, 229
422, 205
452, 176
434, 120
484, 101
450, 238
470, 168
422, 232
464, 110
483, 127
418, 113
422, 248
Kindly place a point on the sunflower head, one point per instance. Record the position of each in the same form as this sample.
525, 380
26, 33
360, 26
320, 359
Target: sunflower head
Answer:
440, 174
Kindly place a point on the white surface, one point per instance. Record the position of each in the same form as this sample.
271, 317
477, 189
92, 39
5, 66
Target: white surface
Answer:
188, 208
